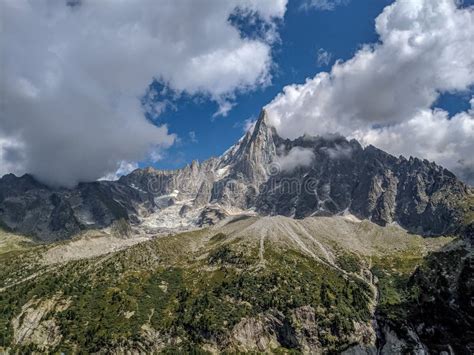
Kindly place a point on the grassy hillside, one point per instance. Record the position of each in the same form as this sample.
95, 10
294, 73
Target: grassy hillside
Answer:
248, 285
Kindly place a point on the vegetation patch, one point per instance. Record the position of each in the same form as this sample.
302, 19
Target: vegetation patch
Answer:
188, 290
112, 299
349, 262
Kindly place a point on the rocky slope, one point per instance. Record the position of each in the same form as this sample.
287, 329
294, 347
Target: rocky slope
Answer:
262, 172
247, 284
31, 208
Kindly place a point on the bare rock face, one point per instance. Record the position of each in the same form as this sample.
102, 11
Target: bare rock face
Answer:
246, 165
32, 325
31, 208
272, 330
341, 177
210, 216
395, 345
256, 334
367, 182
254, 153
307, 330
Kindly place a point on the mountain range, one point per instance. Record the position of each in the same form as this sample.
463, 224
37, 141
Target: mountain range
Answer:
260, 173
316, 245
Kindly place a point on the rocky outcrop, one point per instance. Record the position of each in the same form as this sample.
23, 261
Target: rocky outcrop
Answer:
32, 325
210, 216
31, 208
259, 334
272, 330
306, 329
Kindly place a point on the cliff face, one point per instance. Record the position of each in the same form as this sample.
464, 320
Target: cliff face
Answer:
369, 183
30, 208
260, 173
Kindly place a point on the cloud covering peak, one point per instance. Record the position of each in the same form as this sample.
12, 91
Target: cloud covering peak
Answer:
385, 95
73, 73
296, 157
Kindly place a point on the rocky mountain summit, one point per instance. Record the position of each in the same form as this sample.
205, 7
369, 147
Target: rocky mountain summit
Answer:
263, 173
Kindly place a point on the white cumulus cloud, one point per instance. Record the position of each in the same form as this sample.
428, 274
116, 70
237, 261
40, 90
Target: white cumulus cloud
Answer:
124, 168
385, 94
72, 74
296, 157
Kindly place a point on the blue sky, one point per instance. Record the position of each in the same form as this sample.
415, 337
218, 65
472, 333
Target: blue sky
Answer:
303, 33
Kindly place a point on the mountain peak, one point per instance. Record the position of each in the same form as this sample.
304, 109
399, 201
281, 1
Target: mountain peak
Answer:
262, 119
262, 126
257, 145
256, 141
